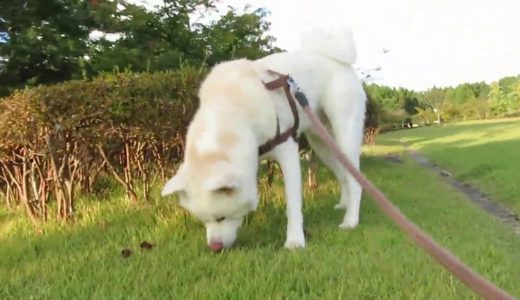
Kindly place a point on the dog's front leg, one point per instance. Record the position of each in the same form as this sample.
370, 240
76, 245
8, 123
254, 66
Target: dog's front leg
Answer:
289, 160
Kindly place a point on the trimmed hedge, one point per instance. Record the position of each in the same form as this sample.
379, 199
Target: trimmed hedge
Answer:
58, 139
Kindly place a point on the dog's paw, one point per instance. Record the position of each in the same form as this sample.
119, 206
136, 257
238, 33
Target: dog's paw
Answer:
290, 244
295, 241
349, 223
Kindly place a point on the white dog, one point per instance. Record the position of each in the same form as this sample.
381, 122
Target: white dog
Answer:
217, 181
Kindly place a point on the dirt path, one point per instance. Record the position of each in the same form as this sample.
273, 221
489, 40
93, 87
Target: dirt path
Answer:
474, 194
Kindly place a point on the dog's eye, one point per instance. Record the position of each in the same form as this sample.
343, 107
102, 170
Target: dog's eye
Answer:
182, 196
220, 219
225, 191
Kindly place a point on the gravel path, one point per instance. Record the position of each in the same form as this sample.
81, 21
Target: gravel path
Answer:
474, 194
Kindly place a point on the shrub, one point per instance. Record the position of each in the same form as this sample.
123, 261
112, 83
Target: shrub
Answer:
58, 139
372, 119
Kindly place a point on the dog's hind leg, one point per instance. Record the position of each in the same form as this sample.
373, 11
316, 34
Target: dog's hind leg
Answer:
344, 107
289, 159
347, 138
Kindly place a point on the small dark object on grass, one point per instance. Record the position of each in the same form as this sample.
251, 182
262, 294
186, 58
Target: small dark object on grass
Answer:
445, 173
394, 158
126, 252
146, 245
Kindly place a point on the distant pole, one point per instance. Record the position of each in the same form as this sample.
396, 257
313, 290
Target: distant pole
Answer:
435, 110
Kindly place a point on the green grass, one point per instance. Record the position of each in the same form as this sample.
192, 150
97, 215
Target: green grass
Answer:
375, 261
483, 153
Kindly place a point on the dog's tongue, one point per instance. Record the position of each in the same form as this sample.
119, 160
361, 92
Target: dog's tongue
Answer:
216, 246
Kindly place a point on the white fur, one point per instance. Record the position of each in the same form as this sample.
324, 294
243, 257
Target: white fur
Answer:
326, 42
207, 142
237, 114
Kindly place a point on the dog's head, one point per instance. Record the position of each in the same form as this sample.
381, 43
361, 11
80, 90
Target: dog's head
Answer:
217, 180
218, 195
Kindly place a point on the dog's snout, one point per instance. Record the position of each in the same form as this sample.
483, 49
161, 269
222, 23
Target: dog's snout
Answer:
216, 246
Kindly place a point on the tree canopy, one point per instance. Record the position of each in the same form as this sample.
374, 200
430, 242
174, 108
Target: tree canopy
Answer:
44, 42
462, 102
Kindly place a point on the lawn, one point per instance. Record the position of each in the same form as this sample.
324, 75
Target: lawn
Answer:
375, 261
482, 153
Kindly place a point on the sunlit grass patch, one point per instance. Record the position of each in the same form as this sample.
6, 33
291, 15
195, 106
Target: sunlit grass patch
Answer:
483, 153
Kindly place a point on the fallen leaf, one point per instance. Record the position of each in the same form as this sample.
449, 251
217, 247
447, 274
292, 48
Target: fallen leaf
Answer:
146, 245
126, 252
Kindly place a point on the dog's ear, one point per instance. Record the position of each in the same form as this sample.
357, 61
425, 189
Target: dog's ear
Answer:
175, 185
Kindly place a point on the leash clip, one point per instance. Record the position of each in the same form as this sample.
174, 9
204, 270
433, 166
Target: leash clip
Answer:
293, 85
298, 94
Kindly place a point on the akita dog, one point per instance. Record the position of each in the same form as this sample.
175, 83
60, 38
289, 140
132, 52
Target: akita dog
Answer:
217, 180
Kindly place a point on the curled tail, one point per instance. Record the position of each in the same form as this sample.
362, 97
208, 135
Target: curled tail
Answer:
336, 44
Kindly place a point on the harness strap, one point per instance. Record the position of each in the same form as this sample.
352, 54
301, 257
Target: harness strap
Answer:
279, 138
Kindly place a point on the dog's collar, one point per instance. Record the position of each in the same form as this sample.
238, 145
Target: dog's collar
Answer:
287, 83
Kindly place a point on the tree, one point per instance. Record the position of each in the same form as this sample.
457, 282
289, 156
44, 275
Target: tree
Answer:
47, 40
153, 40
408, 101
386, 96
426, 116
434, 99
480, 89
236, 35
460, 94
497, 100
507, 83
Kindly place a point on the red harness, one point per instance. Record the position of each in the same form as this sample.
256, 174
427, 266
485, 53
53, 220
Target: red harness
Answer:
281, 137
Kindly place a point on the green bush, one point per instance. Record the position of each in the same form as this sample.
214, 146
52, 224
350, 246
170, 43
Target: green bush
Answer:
372, 120
58, 139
